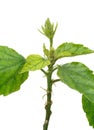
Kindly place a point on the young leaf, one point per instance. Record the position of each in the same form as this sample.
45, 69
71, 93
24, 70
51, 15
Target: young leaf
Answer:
10, 64
34, 62
88, 108
71, 49
46, 51
77, 76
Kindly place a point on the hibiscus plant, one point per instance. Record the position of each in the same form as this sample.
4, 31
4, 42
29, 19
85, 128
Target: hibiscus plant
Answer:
14, 69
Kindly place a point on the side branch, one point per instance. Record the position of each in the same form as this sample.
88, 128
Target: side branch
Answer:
56, 80
54, 69
44, 71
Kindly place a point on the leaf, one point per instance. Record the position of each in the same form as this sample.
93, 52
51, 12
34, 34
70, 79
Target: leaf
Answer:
71, 49
88, 108
46, 51
34, 62
10, 64
77, 76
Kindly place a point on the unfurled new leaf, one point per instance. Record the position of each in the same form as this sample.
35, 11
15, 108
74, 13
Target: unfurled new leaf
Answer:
46, 51
88, 108
77, 76
10, 64
34, 62
71, 49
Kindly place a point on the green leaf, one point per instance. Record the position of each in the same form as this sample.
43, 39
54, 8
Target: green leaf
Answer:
77, 76
35, 62
88, 108
10, 64
46, 51
71, 49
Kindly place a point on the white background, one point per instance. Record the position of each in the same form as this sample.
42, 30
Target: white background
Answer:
19, 24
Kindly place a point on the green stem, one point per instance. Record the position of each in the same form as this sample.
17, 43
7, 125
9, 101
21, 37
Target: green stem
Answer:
49, 87
51, 42
49, 101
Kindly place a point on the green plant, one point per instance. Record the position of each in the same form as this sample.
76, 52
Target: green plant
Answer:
14, 69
